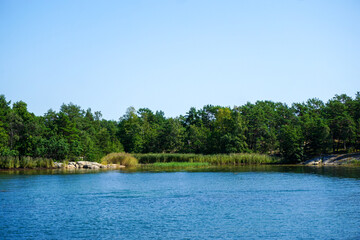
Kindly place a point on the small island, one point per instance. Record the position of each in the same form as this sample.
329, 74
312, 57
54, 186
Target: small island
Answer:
265, 132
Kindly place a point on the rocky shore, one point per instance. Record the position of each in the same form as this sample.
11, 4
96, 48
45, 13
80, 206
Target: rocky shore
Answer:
334, 160
86, 165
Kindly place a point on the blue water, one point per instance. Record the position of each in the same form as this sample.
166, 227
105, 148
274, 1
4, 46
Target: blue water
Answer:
247, 203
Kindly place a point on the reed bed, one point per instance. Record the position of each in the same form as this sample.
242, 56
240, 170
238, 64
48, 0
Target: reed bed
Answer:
10, 162
167, 157
215, 159
179, 164
355, 162
171, 160
121, 158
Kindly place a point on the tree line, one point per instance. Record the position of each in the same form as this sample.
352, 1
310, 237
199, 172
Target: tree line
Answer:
295, 132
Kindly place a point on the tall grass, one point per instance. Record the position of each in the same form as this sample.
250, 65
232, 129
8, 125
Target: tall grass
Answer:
9, 162
167, 157
355, 162
215, 159
125, 159
179, 164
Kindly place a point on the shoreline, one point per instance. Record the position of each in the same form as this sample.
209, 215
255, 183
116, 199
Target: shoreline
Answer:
154, 167
337, 160
86, 165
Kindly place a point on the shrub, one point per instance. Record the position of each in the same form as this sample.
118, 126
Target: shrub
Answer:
125, 159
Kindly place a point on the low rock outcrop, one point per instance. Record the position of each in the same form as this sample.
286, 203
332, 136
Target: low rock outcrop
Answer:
333, 160
86, 165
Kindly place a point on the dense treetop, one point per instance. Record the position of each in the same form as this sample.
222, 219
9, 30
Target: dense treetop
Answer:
294, 132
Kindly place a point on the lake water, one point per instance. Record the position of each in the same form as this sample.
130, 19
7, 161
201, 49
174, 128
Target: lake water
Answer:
265, 202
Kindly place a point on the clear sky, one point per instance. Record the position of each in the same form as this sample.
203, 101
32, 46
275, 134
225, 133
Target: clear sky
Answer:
172, 55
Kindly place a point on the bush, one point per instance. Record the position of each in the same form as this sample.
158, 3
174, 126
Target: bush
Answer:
125, 159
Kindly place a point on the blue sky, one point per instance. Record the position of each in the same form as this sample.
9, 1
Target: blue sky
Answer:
172, 55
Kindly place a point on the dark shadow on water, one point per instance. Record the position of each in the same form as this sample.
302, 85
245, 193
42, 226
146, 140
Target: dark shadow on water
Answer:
51, 171
329, 171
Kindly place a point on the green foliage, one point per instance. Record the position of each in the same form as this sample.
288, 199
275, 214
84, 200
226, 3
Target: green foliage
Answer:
197, 139
342, 125
317, 136
172, 136
291, 143
58, 148
261, 128
228, 134
4, 137
130, 131
295, 133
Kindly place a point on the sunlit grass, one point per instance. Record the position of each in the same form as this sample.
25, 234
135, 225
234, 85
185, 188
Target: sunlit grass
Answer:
180, 164
215, 159
10, 162
122, 158
355, 162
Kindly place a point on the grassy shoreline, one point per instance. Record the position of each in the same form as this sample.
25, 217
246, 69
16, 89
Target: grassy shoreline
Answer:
158, 160
11, 162
215, 159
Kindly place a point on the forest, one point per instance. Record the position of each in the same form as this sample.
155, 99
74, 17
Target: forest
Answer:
294, 133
